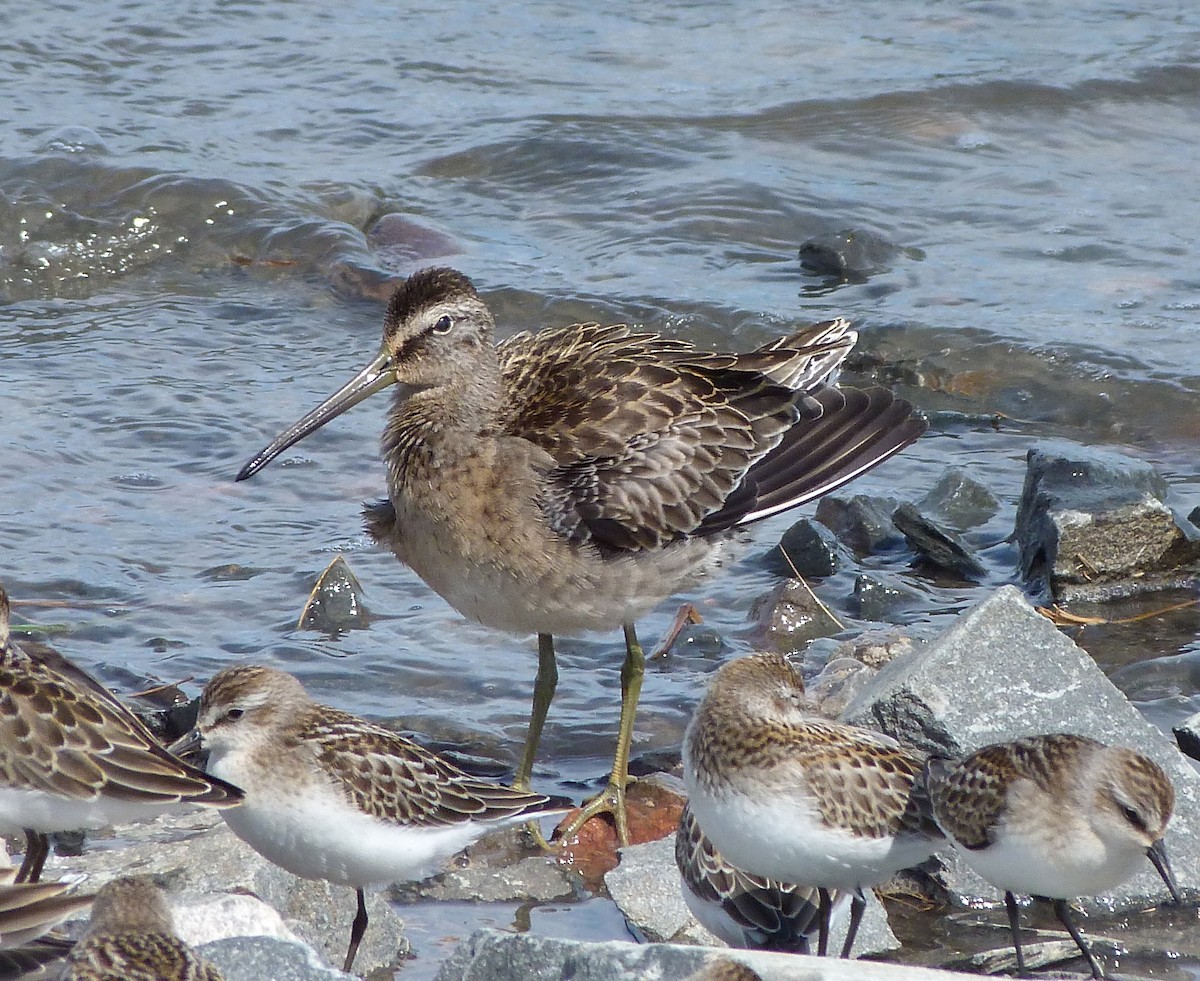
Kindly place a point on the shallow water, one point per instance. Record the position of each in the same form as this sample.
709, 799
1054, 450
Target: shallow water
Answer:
190, 258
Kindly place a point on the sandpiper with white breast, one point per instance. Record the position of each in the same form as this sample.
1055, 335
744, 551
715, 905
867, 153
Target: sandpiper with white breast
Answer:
331, 796
72, 756
784, 793
1055, 816
572, 479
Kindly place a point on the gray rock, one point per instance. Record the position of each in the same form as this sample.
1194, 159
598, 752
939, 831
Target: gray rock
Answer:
806, 549
878, 597
1092, 525
1002, 671
213, 860
537, 878
789, 617
647, 889
490, 955
940, 546
959, 500
862, 522
853, 254
260, 958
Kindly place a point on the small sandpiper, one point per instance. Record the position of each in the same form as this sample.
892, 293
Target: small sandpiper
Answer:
572, 479
784, 793
131, 937
332, 796
748, 911
1054, 816
72, 756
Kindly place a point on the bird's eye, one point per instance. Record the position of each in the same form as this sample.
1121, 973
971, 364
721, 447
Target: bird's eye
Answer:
234, 714
444, 323
1134, 818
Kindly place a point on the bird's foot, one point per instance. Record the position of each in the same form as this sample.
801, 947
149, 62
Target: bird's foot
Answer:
611, 800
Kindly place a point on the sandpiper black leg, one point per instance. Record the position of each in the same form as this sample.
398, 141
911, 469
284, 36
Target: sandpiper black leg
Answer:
1014, 924
37, 847
1063, 911
357, 929
858, 903
824, 913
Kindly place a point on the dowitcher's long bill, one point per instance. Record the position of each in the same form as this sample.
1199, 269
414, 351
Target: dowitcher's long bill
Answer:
1056, 815
786, 794
332, 796
572, 479
72, 756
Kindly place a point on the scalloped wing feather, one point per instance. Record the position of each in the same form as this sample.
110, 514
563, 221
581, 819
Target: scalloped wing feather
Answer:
392, 778
650, 436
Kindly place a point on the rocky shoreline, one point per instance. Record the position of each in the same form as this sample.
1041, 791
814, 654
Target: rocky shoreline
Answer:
1002, 669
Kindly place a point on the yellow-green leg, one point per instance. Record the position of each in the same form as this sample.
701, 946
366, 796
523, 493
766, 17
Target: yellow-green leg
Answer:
543, 694
612, 798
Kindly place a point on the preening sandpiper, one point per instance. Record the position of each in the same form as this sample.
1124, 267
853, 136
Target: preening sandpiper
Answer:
784, 793
750, 911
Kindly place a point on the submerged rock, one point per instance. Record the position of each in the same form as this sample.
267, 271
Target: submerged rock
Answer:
959, 500
336, 602
790, 616
937, 545
852, 254
1092, 525
863, 522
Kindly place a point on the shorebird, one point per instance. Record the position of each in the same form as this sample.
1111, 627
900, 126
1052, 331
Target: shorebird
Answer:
1055, 816
29, 910
72, 756
131, 937
572, 479
749, 911
786, 794
332, 796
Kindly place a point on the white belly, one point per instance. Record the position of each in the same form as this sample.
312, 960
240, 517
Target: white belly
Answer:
784, 838
1086, 867
20, 809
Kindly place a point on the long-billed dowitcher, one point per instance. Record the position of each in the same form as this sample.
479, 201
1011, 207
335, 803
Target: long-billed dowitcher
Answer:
572, 479
1056, 816
784, 793
331, 796
72, 756
131, 937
